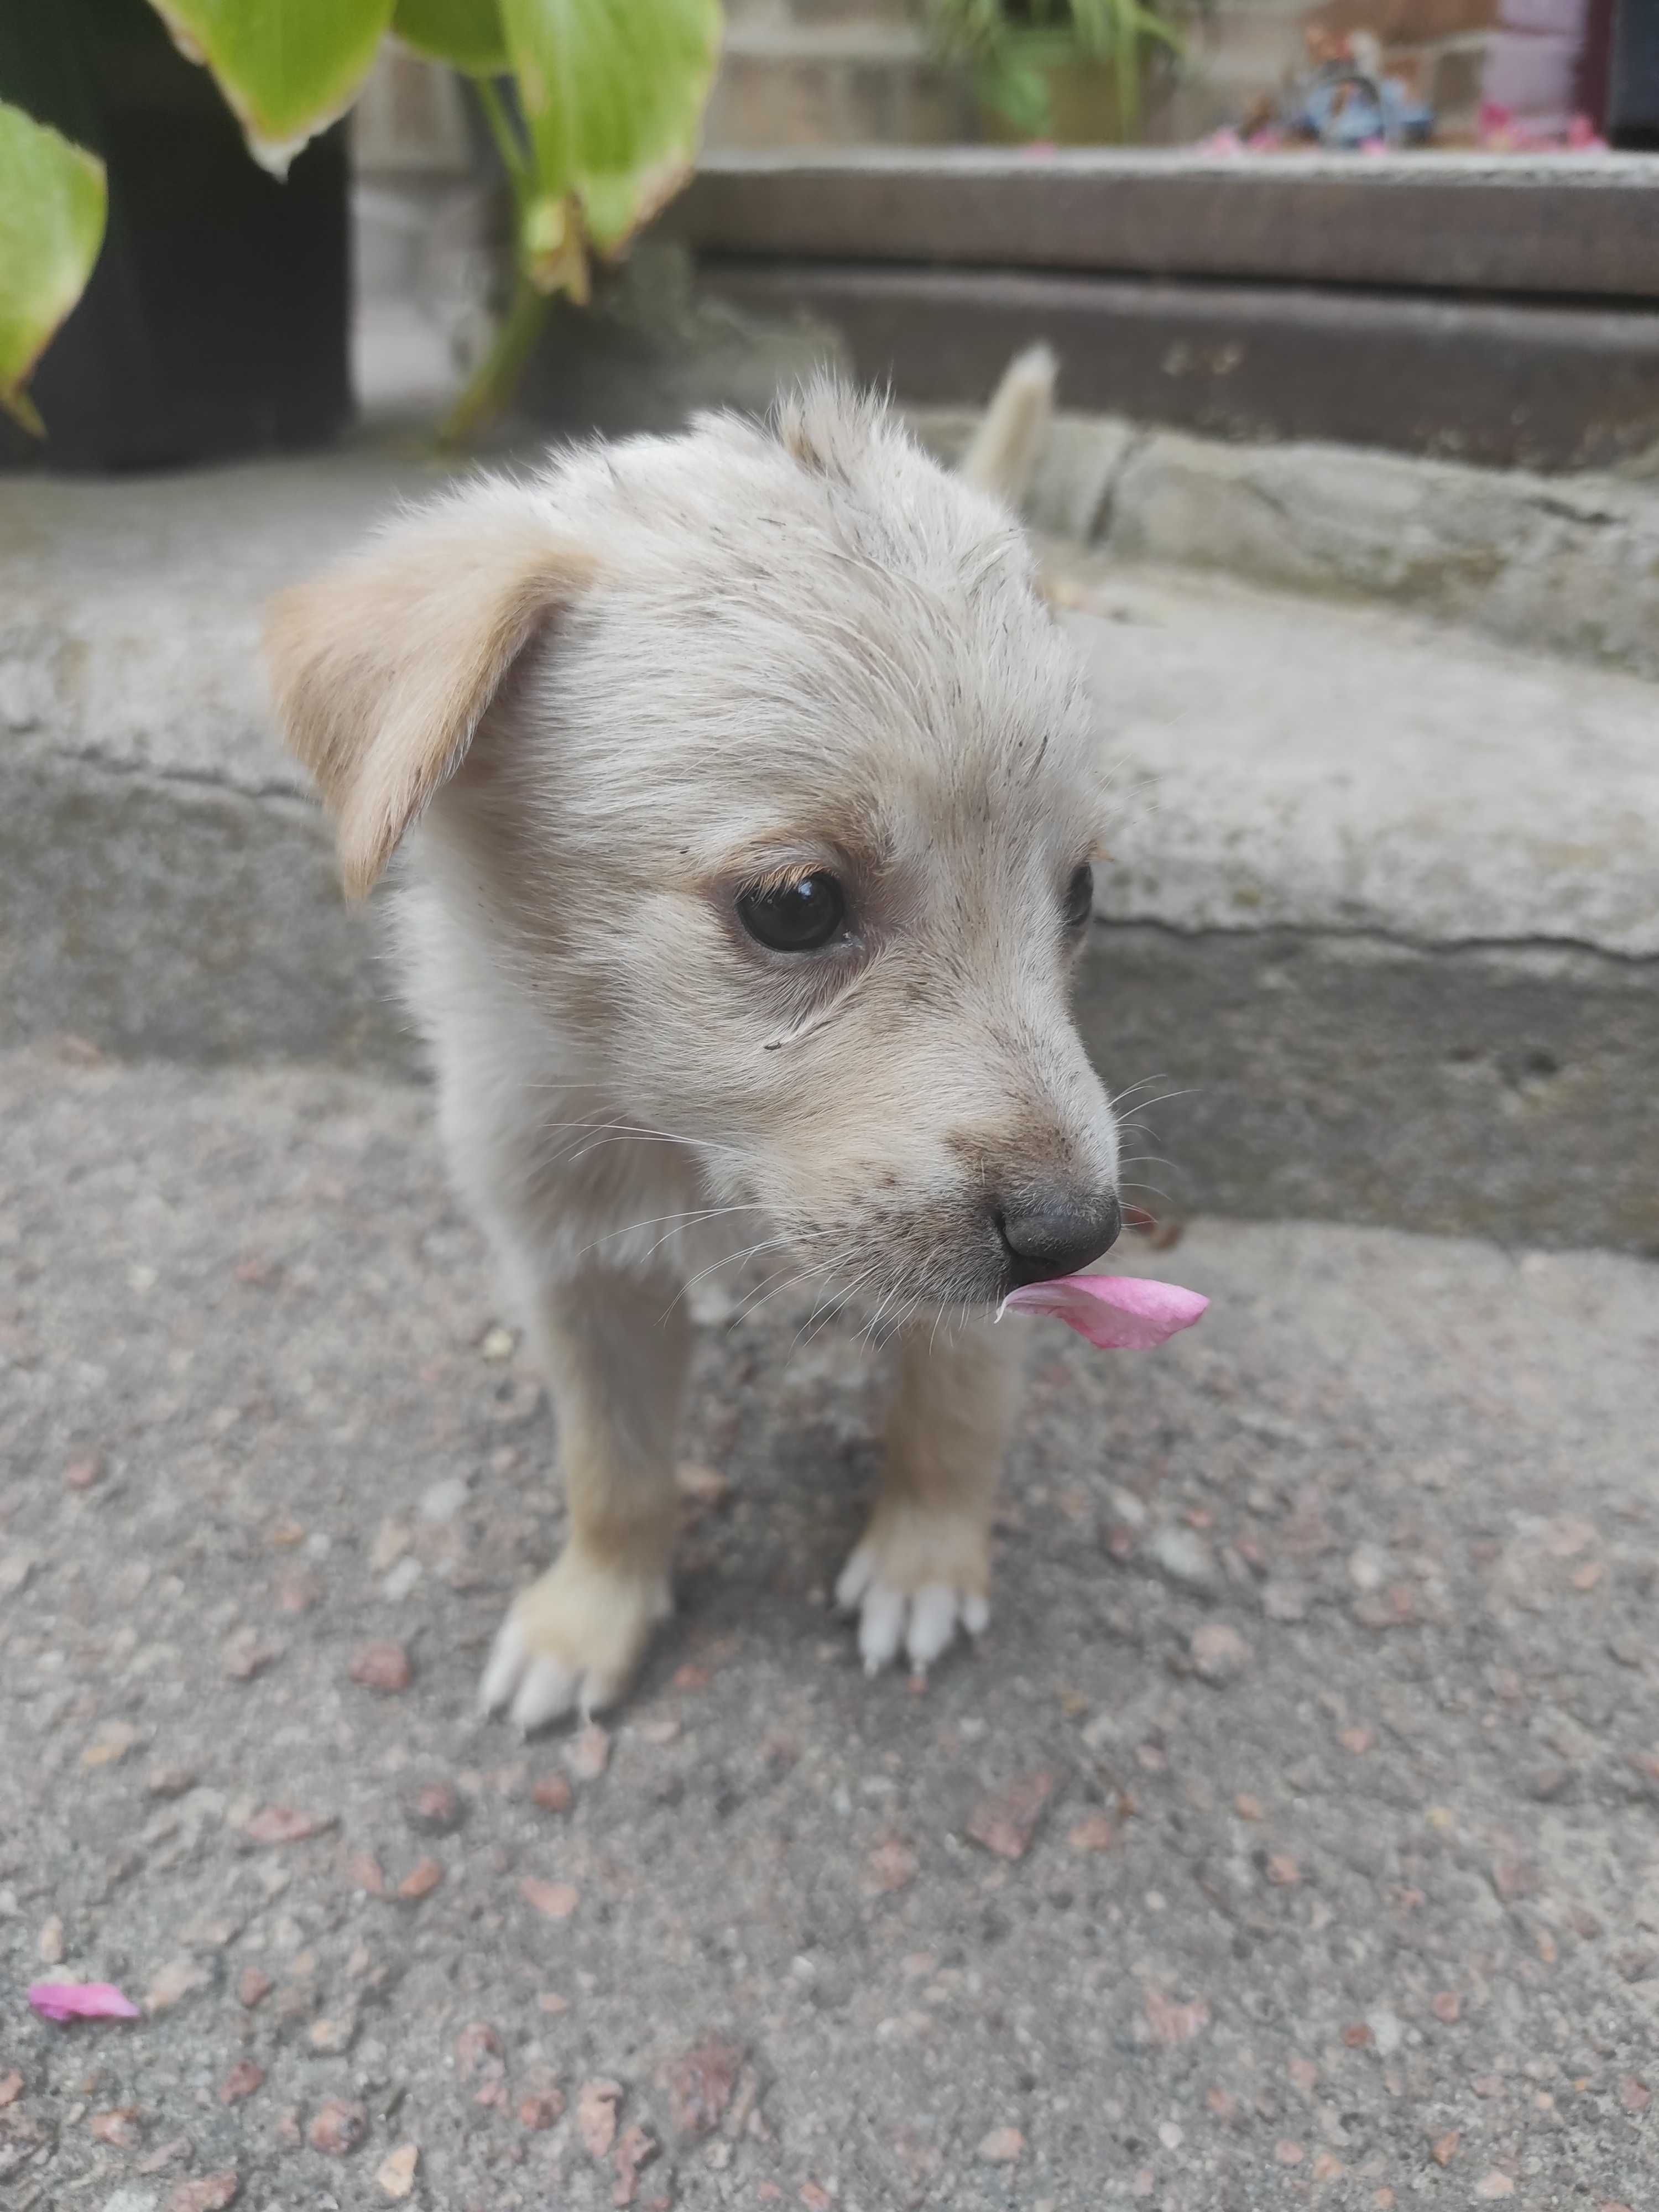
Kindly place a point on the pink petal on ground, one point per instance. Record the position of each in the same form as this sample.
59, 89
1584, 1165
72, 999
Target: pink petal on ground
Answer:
81, 2001
1118, 1313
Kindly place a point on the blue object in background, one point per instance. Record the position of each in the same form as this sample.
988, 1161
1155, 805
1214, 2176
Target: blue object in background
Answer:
1343, 106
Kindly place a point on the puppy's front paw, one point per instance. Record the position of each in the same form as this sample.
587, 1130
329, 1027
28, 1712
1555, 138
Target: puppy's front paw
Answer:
572, 1640
919, 1574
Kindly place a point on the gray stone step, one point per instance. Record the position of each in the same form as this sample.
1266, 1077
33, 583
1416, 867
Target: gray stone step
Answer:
1495, 308
1384, 906
1546, 384
1462, 222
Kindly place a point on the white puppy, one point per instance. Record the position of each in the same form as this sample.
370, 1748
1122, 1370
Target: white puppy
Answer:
756, 790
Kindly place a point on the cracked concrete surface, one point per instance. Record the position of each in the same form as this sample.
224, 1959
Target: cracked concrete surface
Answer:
1293, 1841
1298, 765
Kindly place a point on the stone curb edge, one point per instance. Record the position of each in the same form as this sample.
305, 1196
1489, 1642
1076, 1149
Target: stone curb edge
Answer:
1567, 565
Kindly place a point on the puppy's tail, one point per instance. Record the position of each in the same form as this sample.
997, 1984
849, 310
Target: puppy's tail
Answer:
1008, 444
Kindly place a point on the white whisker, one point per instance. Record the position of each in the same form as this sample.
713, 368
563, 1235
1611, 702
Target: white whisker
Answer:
678, 1221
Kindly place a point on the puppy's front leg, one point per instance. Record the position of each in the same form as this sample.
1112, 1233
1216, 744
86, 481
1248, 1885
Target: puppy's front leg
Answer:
924, 1564
616, 1349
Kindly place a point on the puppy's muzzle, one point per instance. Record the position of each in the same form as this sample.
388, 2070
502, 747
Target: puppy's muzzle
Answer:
1055, 1232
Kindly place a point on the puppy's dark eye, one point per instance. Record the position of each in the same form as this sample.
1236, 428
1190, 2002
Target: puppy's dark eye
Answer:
1079, 896
794, 917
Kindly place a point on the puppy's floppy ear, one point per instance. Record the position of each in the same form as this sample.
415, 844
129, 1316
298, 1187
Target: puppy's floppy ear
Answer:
382, 668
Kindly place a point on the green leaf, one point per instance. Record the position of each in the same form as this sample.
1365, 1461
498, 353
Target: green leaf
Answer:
467, 33
1018, 92
612, 93
53, 204
287, 68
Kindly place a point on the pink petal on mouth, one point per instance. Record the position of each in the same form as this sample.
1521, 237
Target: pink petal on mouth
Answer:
1118, 1313
81, 2001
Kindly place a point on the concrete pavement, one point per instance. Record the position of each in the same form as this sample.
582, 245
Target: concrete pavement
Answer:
1294, 1839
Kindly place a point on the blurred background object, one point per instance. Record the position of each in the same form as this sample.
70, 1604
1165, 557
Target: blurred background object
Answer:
593, 113
803, 73
1079, 72
496, 267
431, 234
216, 318
835, 73
1628, 32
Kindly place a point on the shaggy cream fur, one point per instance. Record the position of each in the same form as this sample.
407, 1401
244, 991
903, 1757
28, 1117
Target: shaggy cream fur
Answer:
605, 709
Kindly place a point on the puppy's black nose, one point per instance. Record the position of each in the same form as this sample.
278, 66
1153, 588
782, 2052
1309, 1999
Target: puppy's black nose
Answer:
1057, 1234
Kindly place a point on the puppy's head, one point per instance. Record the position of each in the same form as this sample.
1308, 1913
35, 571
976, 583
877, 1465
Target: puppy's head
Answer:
760, 767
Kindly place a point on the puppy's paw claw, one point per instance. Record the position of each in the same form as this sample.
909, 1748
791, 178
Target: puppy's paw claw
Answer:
570, 1643
855, 1577
534, 1690
921, 1622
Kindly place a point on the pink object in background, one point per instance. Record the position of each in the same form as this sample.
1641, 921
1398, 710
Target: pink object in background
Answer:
81, 2001
1535, 57
1501, 131
1118, 1313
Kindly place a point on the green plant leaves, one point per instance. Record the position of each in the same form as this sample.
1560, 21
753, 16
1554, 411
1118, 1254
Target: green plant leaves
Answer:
1018, 94
1018, 50
1112, 30
466, 34
53, 204
612, 93
288, 68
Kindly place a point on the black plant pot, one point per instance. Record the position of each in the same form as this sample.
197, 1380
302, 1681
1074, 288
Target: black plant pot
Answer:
216, 323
